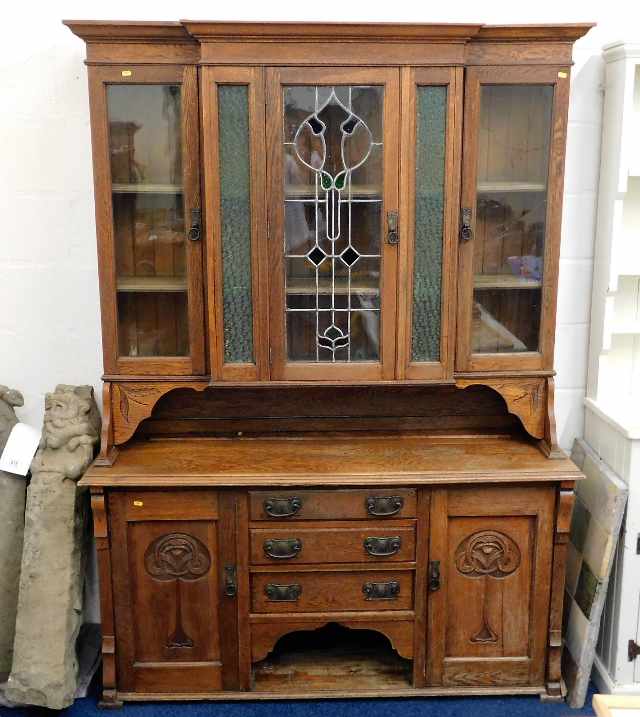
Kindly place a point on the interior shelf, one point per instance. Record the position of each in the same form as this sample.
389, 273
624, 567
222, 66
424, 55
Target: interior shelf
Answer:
504, 281
142, 284
305, 287
307, 191
136, 188
485, 187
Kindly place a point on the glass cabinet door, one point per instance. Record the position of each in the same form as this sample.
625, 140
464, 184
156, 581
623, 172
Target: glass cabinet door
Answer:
429, 196
332, 188
514, 142
151, 212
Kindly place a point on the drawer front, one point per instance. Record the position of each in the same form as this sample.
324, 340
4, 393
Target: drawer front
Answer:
332, 504
299, 543
331, 591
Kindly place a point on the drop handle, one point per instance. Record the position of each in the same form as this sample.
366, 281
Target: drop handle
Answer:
393, 237
466, 230
195, 230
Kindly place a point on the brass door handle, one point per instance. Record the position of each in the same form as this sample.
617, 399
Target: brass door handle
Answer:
381, 591
392, 228
434, 575
282, 548
195, 230
283, 593
282, 507
383, 547
466, 230
384, 505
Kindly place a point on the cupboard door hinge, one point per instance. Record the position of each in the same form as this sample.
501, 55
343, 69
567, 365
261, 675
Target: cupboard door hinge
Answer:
638, 544
633, 650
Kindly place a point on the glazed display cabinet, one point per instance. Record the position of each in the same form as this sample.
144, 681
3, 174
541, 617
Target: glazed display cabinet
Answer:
328, 261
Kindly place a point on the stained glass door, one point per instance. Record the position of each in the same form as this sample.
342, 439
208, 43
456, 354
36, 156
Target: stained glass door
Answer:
333, 222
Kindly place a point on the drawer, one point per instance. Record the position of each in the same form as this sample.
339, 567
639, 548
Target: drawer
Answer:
374, 590
332, 504
300, 543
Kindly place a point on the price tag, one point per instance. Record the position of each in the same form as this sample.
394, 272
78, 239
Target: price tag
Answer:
21, 446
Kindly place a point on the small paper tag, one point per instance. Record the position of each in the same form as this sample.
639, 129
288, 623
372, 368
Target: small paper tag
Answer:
21, 446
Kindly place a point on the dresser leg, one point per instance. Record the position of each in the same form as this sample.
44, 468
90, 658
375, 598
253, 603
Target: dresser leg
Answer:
109, 701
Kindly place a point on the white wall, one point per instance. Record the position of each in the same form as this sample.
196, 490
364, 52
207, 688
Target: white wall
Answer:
49, 313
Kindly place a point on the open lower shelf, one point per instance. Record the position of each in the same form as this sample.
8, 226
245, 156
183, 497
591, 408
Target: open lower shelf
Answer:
152, 284
504, 281
332, 658
497, 187
305, 287
135, 188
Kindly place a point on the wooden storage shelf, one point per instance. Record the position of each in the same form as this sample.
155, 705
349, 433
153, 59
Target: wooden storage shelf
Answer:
499, 187
307, 192
504, 281
151, 284
305, 287
139, 188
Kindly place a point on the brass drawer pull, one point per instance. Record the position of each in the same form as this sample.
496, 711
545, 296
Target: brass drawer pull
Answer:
282, 507
381, 591
383, 547
283, 593
384, 505
282, 549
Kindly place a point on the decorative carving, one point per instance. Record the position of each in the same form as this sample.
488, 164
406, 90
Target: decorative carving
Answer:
9, 399
71, 428
178, 557
525, 398
487, 554
132, 402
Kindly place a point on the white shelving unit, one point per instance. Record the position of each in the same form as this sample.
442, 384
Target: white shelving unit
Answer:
612, 416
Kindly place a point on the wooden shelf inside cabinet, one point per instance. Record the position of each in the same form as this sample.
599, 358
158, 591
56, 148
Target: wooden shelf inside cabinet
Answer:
150, 284
499, 187
136, 188
372, 192
304, 287
504, 281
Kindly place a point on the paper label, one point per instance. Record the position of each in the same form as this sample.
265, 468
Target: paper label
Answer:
21, 447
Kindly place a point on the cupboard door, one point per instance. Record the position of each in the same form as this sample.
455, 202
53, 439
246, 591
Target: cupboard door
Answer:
145, 146
515, 128
431, 141
175, 627
234, 166
488, 618
332, 141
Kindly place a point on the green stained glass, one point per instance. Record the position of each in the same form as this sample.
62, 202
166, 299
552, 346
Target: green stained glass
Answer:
429, 221
235, 220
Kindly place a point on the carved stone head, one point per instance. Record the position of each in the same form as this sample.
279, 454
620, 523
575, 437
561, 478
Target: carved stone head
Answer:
71, 418
9, 398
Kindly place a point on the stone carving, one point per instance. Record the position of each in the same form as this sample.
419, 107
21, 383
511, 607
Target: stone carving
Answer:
177, 557
12, 499
487, 554
45, 666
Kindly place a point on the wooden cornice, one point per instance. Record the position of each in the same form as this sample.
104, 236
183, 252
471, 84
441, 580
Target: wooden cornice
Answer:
128, 31
191, 31
569, 32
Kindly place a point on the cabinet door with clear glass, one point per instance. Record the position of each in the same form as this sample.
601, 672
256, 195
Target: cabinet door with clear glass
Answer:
332, 141
514, 137
429, 198
145, 143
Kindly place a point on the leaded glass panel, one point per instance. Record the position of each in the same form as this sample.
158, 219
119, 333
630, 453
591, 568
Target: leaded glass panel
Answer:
235, 222
332, 148
429, 221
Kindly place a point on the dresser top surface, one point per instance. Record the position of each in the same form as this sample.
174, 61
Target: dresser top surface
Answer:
330, 459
